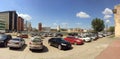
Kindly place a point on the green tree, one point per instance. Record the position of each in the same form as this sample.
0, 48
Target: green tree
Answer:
98, 25
112, 29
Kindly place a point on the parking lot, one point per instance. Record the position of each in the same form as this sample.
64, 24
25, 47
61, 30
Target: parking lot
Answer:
86, 51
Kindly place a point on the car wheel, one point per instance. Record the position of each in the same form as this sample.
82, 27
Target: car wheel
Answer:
30, 49
59, 47
5, 44
10, 48
75, 43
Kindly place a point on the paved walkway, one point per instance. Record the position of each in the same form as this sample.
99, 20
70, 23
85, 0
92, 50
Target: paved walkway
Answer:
111, 52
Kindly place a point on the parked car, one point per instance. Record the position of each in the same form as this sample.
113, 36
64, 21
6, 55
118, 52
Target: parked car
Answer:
60, 43
4, 39
73, 34
16, 43
23, 36
74, 40
104, 35
100, 35
36, 43
94, 37
58, 35
84, 38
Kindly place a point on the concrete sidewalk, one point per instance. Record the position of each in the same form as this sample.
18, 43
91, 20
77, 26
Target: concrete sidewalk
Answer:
111, 52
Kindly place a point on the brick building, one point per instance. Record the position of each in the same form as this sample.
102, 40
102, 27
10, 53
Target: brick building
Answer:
20, 24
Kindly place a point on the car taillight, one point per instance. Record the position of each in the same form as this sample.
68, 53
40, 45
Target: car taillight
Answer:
30, 43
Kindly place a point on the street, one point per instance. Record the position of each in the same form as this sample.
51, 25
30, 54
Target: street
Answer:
86, 51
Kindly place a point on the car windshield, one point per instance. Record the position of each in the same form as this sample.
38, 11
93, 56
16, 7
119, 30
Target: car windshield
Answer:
3, 36
61, 40
36, 40
16, 39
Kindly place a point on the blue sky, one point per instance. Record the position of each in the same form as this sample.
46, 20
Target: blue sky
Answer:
61, 12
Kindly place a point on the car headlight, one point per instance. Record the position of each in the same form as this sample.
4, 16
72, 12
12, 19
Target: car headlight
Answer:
63, 44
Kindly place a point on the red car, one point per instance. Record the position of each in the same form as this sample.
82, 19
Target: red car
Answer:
74, 40
23, 36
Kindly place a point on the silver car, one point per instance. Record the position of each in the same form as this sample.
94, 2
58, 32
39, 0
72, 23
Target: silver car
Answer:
16, 43
36, 43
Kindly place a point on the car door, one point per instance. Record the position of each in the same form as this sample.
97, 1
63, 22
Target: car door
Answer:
72, 39
53, 41
57, 42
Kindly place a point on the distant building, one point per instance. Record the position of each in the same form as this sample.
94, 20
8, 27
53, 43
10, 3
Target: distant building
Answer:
75, 30
46, 29
10, 18
25, 26
40, 27
58, 28
29, 26
20, 24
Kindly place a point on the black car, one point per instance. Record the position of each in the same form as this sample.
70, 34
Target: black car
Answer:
4, 39
60, 43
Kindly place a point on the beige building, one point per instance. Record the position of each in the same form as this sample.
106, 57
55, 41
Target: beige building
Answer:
10, 18
116, 12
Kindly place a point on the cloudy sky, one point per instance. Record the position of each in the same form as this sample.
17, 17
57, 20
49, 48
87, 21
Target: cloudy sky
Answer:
66, 13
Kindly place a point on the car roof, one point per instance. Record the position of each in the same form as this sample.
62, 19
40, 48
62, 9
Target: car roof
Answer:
17, 38
35, 37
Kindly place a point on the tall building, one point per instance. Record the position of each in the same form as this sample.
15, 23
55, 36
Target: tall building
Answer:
29, 26
2, 25
20, 24
116, 12
40, 27
10, 18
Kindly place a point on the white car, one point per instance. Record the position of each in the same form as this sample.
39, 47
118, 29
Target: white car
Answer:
36, 43
16, 43
84, 38
94, 37
100, 35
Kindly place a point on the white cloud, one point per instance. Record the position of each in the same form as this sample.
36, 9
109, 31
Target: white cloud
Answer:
78, 23
107, 21
64, 23
107, 16
82, 15
54, 24
107, 11
25, 16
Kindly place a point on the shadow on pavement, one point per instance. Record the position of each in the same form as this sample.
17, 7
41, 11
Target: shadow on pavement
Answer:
19, 49
45, 49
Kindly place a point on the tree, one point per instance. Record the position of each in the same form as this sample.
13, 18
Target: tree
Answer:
112, 29
98, 25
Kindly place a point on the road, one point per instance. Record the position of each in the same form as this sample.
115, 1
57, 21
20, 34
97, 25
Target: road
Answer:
87, 51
